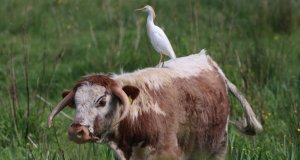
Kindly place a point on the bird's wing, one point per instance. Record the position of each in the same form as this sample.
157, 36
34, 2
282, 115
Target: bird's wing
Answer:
162, 42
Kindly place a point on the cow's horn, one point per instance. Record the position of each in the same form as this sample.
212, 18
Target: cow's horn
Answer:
118, 91
61, 105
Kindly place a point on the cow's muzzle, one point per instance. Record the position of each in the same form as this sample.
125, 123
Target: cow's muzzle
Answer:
80, 134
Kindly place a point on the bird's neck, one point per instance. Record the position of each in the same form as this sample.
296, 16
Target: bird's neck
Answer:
150, 19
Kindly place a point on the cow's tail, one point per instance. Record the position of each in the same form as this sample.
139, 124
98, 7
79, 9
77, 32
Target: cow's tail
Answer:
248, 124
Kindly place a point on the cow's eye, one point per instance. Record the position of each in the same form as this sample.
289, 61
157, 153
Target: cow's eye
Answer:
101, 102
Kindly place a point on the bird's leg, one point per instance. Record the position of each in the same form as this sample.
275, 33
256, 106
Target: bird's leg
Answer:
161, 60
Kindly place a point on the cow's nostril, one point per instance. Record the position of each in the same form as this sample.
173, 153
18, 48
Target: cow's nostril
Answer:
79, 134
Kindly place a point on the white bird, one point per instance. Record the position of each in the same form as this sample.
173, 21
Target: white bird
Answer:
157, 37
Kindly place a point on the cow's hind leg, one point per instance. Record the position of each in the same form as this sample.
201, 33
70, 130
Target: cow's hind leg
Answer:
219, 155
220, 150
211, 151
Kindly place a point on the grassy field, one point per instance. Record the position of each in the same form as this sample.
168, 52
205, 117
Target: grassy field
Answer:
45, 46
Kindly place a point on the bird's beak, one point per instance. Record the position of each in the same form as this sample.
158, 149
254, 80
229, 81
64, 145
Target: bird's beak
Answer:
139, 10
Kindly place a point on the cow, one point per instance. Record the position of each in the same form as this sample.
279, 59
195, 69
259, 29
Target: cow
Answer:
180, 111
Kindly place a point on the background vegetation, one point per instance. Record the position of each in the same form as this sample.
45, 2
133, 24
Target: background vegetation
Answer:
45, 46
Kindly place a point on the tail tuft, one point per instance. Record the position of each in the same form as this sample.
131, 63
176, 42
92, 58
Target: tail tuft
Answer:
248, 124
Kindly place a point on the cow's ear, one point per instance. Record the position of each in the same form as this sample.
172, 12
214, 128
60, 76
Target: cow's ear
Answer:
132, 92
65, 93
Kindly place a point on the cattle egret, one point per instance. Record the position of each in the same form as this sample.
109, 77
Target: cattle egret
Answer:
157, 37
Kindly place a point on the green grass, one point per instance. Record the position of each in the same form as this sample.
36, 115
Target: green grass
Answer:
45, 46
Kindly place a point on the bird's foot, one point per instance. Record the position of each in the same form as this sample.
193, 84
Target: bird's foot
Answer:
160, 65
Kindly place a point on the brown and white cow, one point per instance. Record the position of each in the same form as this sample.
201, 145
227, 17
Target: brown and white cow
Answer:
180, 111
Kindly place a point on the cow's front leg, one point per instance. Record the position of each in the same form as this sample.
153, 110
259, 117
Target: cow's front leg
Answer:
168, 149
118, 153
168, 153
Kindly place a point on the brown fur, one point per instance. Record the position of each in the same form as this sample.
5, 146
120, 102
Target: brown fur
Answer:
196, 117
98, 79
194, 124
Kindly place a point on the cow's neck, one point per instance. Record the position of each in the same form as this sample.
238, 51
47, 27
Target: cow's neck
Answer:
136, 133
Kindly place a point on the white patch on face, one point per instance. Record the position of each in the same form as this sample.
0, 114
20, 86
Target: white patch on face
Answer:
85, 101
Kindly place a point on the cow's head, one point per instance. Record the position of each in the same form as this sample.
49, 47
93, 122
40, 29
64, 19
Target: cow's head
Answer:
96, 99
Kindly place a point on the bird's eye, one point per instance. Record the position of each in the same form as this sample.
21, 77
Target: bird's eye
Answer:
101, 102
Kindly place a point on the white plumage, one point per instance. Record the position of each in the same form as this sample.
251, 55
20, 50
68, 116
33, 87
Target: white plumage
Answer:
157, 37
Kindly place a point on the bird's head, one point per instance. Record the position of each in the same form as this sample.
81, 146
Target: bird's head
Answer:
148, 9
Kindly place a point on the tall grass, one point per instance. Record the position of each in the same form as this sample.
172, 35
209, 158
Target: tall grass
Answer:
45, 46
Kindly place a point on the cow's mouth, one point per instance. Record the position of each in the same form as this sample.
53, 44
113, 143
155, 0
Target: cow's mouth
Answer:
80, 134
